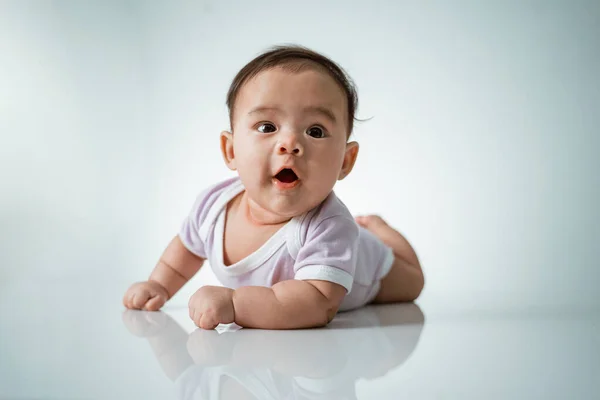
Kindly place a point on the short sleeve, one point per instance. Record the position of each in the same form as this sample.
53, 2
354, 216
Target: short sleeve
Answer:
191, 233
329, 252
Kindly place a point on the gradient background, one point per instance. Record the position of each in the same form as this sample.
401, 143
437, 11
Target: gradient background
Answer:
482, 149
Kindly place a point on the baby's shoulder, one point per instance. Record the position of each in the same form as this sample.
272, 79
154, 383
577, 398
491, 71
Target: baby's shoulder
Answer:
209, 197
328, 231
333, 216
332, 209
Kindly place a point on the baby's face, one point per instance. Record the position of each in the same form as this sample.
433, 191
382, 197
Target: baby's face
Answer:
290, 139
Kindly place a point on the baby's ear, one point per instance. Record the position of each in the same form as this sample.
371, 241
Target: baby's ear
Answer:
227, 150
349, 159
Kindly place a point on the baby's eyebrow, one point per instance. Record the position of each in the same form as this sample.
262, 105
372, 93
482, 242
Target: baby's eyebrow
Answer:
262, 109
324, 111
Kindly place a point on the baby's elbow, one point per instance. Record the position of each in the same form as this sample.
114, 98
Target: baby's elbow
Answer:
324, 320
331, 313
324, 317
417, 287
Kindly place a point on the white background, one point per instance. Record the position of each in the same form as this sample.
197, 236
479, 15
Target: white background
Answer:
482, 149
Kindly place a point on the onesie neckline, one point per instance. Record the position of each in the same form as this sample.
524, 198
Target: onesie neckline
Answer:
256, 258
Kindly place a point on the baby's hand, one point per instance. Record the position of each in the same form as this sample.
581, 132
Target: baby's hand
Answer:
149, 296
211, 306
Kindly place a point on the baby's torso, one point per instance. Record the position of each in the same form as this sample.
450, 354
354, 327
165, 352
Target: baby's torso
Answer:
242, 237
241, 255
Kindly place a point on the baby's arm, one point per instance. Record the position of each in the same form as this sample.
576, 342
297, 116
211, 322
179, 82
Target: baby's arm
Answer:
324, 268
323, 273
291, 304
182, 258
176, 266
288, 304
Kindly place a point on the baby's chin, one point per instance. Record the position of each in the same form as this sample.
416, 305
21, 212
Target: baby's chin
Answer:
287, 207
288, 211
286, 204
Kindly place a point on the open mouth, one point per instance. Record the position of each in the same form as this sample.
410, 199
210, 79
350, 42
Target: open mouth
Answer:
286, 175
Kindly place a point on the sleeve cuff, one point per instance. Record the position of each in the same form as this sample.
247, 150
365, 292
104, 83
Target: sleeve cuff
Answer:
387, 264
325, 273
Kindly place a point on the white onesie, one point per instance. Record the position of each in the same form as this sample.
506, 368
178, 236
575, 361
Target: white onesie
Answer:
325, 243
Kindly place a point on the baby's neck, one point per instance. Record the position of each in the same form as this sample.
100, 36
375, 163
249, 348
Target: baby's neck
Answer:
257, 215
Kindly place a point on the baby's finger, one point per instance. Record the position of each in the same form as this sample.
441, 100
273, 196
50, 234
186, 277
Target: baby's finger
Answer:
207, 322
155, 303
194, 316
139, 299
128, 300
199, 316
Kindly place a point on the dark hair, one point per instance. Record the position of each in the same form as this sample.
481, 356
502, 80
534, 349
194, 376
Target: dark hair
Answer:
294, 58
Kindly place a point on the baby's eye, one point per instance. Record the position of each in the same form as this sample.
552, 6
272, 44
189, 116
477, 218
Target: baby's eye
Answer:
316, 132
266, 128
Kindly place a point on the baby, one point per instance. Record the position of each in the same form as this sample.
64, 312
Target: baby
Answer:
287, 250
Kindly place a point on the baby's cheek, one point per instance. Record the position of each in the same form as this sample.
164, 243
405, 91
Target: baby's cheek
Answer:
332, 168
250, 161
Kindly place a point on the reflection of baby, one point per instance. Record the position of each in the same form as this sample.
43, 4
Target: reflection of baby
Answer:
306, 364
287, 250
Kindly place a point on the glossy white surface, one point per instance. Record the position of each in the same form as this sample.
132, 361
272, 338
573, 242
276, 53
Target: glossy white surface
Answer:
78, 343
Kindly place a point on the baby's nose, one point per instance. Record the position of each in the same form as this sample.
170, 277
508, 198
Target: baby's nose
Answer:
285, 149
290, 145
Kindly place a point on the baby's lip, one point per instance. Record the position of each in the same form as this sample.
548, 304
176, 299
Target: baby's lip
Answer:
290, 167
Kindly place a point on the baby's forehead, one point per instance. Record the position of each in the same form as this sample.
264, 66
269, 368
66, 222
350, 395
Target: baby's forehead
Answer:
292, 68
306, 86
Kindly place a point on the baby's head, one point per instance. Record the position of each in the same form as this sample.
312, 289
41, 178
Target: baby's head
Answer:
291, 112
